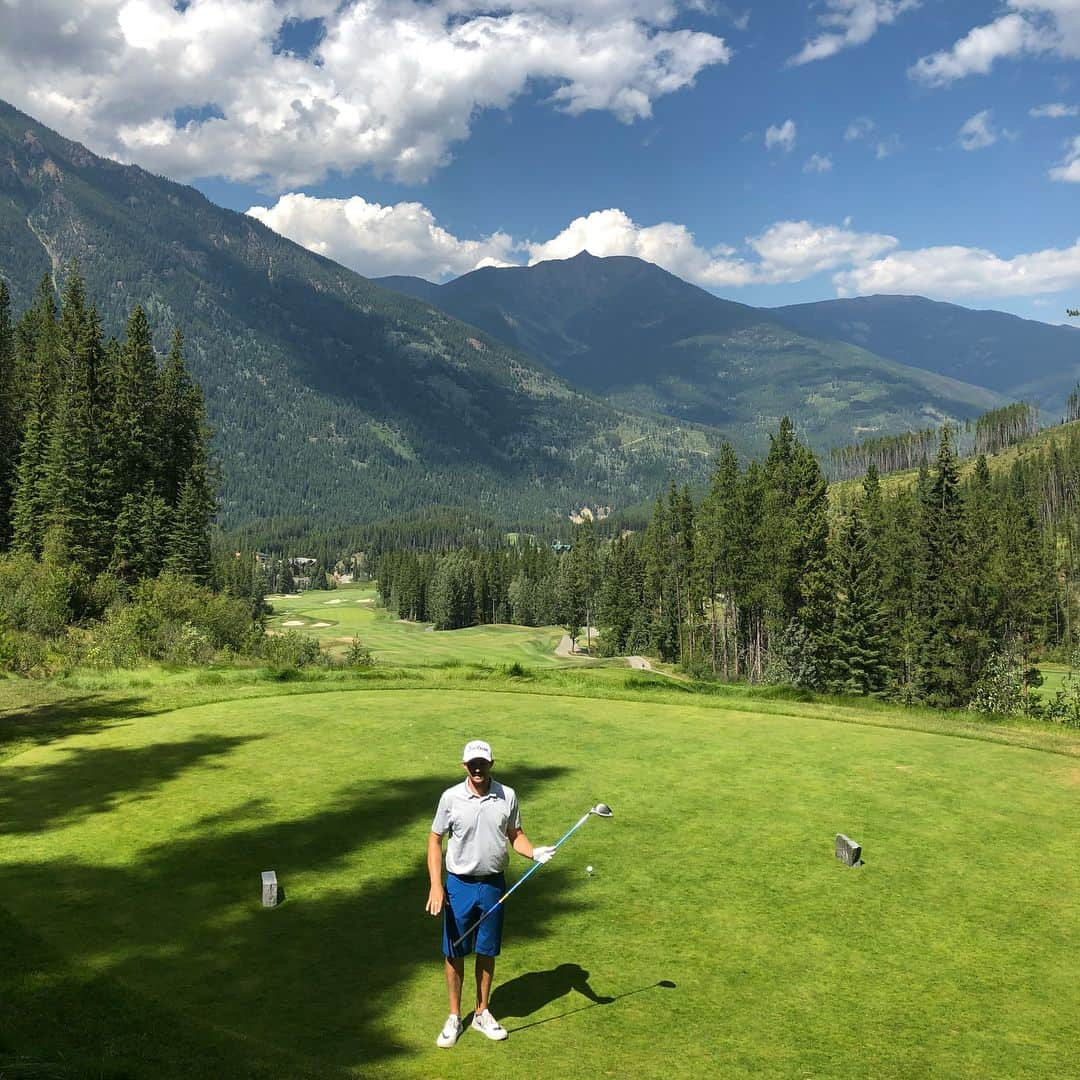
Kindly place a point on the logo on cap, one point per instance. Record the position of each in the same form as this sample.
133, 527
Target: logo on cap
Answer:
476, 749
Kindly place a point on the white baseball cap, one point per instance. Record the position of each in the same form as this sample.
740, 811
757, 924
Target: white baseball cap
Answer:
476, 749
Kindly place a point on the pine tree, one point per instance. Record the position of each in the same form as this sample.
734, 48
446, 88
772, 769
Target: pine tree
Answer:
941, 676
188, 548
858, 647
9, 420
718, 552
135, 431
180, 420
71, 481
31, 499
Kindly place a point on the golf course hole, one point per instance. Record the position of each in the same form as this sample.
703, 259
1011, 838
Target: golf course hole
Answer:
136, 853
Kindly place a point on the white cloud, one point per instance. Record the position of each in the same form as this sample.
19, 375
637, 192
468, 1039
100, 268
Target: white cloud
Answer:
862, 127
978, 131
392, 84
406, 239
378, 240
818, 163
672, 246
1032, 27
1069, 170
1054, 111
795, 250
850, 23
782, 136
964, 271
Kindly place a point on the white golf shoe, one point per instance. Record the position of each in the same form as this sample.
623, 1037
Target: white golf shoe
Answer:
486, 1023
451, 1031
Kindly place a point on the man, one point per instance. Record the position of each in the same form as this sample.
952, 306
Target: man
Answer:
480, 815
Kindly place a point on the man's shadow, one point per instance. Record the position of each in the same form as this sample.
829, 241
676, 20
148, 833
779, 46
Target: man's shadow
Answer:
529, 993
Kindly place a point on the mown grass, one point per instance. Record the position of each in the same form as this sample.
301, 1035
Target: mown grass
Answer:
138, 808
336, 616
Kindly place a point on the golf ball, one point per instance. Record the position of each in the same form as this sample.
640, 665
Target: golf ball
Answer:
588, 869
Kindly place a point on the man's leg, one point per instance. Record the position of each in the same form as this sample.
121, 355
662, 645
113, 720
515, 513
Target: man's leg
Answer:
455, 974
485, 969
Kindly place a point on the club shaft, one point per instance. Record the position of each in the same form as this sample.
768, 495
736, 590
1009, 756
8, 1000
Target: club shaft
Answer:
521, 880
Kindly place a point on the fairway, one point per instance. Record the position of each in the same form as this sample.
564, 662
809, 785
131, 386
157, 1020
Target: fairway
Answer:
135, 852
336, 616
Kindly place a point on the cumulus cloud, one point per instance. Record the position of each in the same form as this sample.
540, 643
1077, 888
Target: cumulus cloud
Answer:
672, 246
964, 271
1054, 111
780, 136
795, 250
1031, 27
979, 132
1069, 170
406, 239
201, 89
850, 23
379, 240
818, 163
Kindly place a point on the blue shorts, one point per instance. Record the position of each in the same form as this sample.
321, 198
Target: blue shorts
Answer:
467, 898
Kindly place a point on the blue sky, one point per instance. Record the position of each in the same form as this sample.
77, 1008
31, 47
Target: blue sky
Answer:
770, 152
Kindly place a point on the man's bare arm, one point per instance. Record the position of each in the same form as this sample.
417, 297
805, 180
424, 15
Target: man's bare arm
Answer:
436, 894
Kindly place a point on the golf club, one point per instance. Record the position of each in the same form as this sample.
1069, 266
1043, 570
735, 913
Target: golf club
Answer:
599, 810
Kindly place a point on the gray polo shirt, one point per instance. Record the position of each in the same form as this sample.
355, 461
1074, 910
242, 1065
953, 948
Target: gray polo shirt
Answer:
478, 827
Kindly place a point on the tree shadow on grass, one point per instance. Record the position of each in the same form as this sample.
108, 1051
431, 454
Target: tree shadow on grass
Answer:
319, 979
93, 780
44, 722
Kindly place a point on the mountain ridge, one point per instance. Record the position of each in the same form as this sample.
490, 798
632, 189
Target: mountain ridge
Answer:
643, 338
329, 395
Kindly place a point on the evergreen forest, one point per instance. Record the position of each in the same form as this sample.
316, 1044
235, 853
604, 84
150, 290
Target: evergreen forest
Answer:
944, 592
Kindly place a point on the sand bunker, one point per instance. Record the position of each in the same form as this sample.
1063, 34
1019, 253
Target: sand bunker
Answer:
321, 624
293, 622
338, 601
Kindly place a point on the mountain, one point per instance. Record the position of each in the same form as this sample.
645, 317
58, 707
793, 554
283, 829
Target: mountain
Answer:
330, 397
1020, 358
645, 339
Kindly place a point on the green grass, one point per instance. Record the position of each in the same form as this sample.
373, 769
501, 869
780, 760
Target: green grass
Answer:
142, 806
1054, 676
353, 612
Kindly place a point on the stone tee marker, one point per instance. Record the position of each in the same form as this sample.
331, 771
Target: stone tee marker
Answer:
271, 893
847, 851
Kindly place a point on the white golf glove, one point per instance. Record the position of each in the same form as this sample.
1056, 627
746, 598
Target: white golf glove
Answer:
543, 854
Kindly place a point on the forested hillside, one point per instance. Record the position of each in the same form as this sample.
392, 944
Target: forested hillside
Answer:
328, 397
646, 339
943, 591
1020, 358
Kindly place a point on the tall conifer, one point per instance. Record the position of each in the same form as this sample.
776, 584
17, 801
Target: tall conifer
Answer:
37, 331
9, 426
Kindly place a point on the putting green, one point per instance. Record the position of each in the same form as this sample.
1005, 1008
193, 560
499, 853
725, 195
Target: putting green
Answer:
136, 851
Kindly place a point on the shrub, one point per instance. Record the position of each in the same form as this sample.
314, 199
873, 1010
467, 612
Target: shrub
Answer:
791, 660
40, 597
22, 653
358, 655
1064, 706
169, 618
290, 650
1004, 687
187, 644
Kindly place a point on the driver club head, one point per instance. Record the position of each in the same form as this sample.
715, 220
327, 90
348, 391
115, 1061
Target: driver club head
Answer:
602, 810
